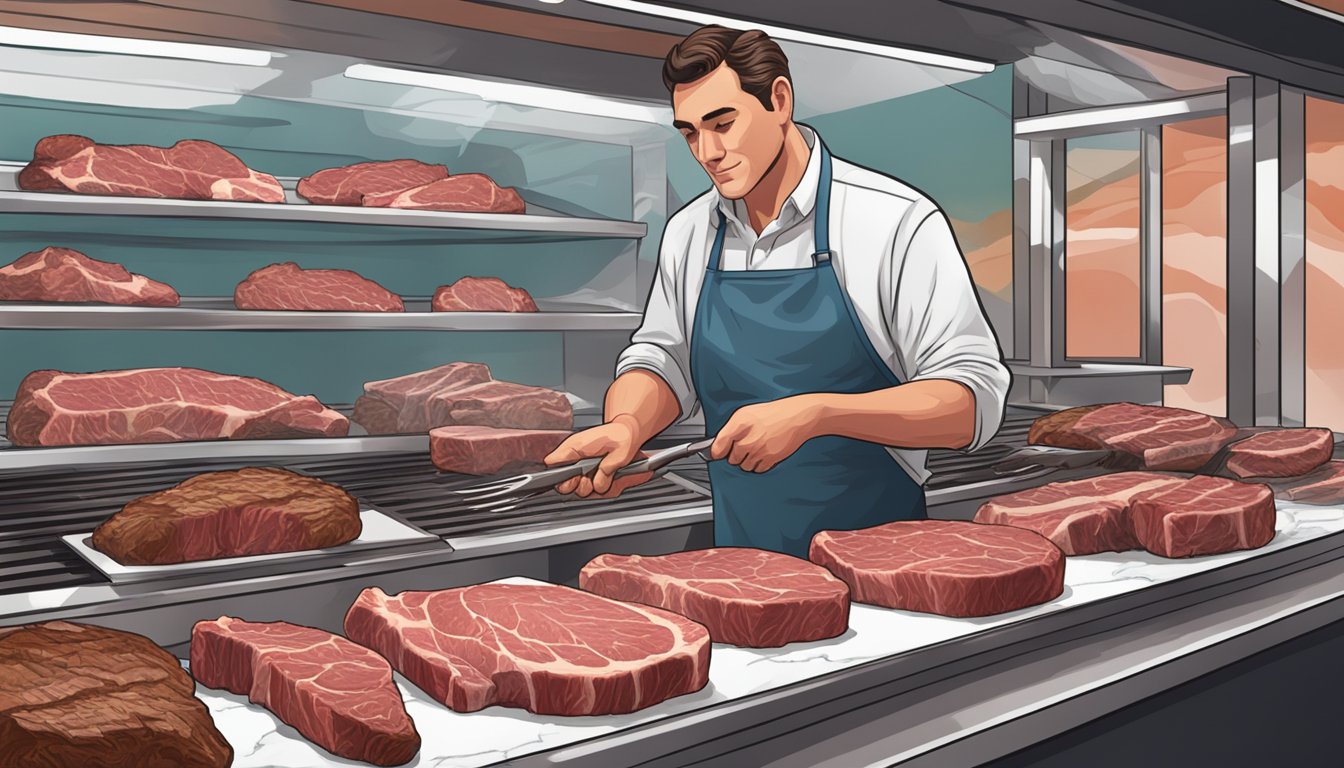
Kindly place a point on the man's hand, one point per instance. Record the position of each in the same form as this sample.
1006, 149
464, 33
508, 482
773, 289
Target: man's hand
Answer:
759, 436
617, 443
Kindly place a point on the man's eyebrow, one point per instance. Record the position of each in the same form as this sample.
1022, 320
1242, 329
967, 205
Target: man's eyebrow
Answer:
710, 116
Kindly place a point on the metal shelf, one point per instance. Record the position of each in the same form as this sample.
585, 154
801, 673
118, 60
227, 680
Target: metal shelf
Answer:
204, 314
540, 225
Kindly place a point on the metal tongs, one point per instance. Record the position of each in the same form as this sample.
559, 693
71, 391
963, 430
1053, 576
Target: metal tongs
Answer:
507, 493
1048, 457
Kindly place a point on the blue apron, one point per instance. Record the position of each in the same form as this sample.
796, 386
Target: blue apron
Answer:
767, 334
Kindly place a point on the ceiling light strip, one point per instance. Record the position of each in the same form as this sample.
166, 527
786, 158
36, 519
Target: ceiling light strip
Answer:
802, 36
66, 41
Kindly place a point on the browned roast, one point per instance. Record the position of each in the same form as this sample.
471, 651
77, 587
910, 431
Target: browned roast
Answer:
81, 696
250, 511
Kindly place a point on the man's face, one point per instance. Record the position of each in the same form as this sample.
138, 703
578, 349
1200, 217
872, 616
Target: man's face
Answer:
730, 132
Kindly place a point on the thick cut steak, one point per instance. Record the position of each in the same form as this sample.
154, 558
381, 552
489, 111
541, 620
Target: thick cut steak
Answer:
747, 597
64, 274
249, 511
190, 170
76, 695
1203, 516
403, 404
946, 567
482, 294
336, 693
160, 405
288, 286
464, 193
1160, 437
503, 404
487, 450
549, 649
1324, 486
349, 184
1281, 453
1081, 517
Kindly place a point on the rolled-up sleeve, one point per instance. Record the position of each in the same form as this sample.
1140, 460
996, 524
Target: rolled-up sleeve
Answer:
940, 327
662, 342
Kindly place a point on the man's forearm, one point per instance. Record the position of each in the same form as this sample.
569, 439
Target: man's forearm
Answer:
930, 413
644, 400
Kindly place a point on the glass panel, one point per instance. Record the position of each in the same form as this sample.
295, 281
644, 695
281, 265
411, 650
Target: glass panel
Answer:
1325, 263
1194, 261
1102, 252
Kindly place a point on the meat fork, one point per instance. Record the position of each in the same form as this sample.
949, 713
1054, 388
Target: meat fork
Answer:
507, 493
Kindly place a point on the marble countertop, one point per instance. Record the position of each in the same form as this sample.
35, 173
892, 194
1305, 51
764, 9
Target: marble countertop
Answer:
496, 734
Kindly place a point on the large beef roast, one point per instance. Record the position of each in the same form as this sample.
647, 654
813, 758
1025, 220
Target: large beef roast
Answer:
1281, 453
747, 597
1203, 516
487, 450
464, 193
1081, 517
190, 170
160, 405
349, 184
459, 394
549, 649
950, 568
249, 511
1160, 437
482, 294
64, 274
403, 404
336, 693
75, 695
288, 286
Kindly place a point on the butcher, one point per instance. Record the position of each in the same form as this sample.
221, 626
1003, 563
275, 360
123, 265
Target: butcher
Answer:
819, 313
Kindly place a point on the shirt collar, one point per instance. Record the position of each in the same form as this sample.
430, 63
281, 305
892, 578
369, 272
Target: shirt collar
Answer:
804, 196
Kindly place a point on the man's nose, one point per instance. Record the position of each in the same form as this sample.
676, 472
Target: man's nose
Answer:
710, 147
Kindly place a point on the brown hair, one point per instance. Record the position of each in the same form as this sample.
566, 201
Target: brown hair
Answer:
756, 59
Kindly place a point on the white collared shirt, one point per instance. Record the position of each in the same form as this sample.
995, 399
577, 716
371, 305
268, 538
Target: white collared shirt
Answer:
896, 258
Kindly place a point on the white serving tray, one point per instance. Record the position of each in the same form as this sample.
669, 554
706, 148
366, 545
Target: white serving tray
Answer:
379, 530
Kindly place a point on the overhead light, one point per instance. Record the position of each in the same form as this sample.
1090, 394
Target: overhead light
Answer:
38, 38
516, 93
800, 36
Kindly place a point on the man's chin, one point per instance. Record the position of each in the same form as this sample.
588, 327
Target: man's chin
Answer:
732, 191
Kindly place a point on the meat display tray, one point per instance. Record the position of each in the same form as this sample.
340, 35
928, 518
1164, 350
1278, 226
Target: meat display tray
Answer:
539, 226
380, 531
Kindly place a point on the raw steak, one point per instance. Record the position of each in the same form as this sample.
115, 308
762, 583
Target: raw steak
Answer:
487, 450
349, 184
549, 649
1281, 453
190, 170
1324, 486
1162, 438
1203, 516
748, 597
339, 695
465, 193
64, 274
946, 567
1081, 517
503, 404
160, 405
249, 511
482, 294
290, 287
402, 404
79, 695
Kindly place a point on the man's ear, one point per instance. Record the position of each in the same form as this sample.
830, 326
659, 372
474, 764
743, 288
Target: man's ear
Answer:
781, 96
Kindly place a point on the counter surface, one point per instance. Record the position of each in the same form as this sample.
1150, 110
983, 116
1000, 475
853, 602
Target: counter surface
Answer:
453, 740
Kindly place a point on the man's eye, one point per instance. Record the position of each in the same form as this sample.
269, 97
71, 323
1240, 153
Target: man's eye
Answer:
724, 125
